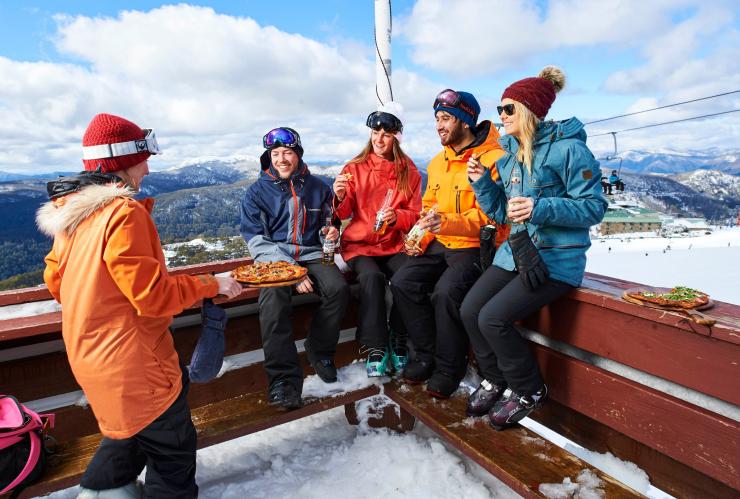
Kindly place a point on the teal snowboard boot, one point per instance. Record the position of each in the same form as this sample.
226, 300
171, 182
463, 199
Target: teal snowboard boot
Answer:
377, 362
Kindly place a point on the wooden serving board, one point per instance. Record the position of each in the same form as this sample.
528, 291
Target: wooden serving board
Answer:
273, 284
692, 313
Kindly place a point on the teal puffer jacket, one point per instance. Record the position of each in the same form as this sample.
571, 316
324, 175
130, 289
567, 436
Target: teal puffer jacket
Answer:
565, 185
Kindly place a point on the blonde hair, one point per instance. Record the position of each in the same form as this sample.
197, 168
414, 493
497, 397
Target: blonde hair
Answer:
401, 160
527, 122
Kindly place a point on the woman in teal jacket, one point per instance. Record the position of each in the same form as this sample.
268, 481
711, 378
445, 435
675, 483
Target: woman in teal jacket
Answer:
550, 192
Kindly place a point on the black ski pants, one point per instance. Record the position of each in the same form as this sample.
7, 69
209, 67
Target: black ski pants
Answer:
166, 447
373, 274
433, 323
281, 356
497, 300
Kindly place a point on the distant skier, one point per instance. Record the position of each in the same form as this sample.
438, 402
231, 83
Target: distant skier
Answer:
615, 181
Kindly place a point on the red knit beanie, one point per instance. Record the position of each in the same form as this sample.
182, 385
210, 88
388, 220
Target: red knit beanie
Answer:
110, 129
537, 93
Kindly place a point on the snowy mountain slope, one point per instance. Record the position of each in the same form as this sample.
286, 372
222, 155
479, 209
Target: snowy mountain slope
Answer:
673, 161
712, 183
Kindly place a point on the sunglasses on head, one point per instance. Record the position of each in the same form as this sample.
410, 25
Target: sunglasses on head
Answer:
281, 137
386, 121
450, 98
509, 109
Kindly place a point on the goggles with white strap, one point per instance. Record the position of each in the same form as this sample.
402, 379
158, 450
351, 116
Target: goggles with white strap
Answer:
102, 151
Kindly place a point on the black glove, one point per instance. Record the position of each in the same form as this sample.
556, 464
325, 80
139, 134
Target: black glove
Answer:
487, 246
529, 263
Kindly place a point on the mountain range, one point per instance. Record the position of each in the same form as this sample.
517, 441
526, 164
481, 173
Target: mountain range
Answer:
201, 197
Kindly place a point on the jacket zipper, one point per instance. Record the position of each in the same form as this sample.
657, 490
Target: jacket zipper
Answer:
457, 201
295, 220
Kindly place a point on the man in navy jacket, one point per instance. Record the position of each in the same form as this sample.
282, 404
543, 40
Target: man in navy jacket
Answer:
285, 215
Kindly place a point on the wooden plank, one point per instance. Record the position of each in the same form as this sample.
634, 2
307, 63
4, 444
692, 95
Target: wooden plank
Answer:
40, 293
49, 374
607, 291
702, 363
75, 421
665, 473
517, 456
24, 295
215, 423
689, 434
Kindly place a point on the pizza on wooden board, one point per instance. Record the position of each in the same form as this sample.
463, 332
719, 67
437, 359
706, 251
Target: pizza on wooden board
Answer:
268, 272
680, 296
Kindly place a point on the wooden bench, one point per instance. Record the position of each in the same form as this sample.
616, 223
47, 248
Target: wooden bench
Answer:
608, 365
33, 366
595, 352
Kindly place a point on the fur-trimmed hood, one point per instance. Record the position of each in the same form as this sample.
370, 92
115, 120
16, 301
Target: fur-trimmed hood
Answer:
65, 214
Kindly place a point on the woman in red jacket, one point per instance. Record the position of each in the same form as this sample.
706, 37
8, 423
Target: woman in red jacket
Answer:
380, 189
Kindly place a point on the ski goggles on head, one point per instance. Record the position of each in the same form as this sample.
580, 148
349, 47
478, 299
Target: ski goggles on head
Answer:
281, 137
509, 109
102, 151
450, 98
378, 119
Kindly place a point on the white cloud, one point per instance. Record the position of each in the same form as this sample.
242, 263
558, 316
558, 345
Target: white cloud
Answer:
209, 83
485, 37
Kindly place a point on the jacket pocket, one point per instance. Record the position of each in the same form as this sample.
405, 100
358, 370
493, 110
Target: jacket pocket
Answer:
545, 183
561, 238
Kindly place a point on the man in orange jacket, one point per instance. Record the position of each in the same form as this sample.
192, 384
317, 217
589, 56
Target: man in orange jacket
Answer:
446, 263
108, 271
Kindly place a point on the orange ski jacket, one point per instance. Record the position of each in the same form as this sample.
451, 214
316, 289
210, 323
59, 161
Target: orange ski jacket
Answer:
107, 269
448, 187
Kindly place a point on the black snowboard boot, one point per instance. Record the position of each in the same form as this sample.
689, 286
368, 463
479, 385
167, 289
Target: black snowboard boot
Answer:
482, 400
417, 371
512, 408
326, 370
285, 395
442, 385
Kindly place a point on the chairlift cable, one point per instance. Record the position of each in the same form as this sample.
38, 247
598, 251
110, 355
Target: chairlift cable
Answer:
667, 123
663, 107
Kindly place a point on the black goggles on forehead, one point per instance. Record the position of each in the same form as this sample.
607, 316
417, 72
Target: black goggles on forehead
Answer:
386, 121
450, 98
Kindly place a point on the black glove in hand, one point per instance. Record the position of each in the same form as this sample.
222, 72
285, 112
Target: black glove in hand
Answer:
529, 263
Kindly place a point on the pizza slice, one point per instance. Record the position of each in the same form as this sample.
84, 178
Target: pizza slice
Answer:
680, 297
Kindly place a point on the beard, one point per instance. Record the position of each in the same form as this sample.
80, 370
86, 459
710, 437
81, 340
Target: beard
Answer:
454, 135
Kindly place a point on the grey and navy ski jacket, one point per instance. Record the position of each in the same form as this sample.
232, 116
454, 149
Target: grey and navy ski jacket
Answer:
281, 219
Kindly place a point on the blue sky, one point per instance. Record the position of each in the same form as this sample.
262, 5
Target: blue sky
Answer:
211, 77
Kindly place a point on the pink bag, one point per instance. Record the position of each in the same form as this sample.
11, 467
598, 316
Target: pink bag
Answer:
22, 444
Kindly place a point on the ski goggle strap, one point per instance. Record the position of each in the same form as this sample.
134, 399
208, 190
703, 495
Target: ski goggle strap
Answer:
386, 121
102, 151
450, 98
281, 137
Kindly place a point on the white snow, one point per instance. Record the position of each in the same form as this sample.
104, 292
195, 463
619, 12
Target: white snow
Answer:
29, 309
710, 263
586, 486
323, 457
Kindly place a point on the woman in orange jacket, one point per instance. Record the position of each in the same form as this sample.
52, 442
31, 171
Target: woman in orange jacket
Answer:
380, 189
107, 270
